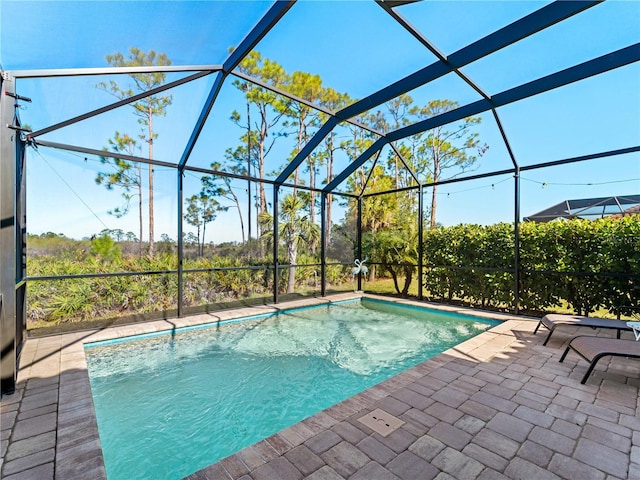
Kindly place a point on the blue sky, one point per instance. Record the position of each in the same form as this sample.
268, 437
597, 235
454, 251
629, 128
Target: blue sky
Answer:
356, 48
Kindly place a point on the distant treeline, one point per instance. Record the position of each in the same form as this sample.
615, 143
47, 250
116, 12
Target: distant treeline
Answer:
227, 273
585, 265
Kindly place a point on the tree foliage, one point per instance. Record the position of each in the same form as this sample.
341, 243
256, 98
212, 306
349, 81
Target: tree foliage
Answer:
123, 174
201, 210
145, 109
105, 248
294, 230
259, 136
585, 264
447, 147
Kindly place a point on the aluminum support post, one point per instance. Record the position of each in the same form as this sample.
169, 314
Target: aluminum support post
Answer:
359, 240
180, 241
516, 243
420, 247
8, 314
323, 244
21, 244
276, 240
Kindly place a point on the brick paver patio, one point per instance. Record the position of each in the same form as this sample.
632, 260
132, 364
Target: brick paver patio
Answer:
495, 407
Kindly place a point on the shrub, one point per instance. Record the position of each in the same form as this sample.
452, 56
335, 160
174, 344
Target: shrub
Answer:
587, 264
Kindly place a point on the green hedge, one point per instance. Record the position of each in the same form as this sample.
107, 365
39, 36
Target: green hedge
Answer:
585, 264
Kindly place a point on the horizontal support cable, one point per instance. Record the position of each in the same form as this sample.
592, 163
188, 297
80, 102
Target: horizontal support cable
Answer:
118, 104
294, 265
471, 177
553, 163
386, 264
103, 153
143, 273
584, 274
582, 158
77, 276
482, 269
132, 158
386, 192
545, 272
227, 269
79, 72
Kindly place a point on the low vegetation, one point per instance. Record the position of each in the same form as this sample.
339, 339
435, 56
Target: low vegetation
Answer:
580, 265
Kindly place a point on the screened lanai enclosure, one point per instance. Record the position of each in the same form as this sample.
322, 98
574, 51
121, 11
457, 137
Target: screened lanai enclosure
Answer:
167, 158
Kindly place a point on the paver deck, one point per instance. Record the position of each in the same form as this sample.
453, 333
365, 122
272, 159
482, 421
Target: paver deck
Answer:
498, 406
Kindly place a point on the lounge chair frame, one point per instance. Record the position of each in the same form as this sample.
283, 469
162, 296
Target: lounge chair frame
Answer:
553, 321
603, 352
635, 326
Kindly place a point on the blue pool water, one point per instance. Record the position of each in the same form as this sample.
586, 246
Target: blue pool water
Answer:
171, 404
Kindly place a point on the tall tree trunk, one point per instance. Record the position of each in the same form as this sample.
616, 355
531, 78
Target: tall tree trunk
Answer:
312, 184
249, 206
300, 139
397, 172
263, 195
408, 277
436, 177
139, 209
312, 179
151, 222
329, 196
432, 222
204, 230
237, 202
293, 256
395, 279
261, 205
198, 244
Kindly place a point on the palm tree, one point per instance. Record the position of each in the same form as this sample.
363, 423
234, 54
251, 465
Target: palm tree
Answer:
294, 229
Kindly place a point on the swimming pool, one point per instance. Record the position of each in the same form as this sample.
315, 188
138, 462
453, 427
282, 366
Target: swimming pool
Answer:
168, 405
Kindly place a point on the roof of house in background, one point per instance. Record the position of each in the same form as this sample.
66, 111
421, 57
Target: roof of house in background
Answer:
591, 208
